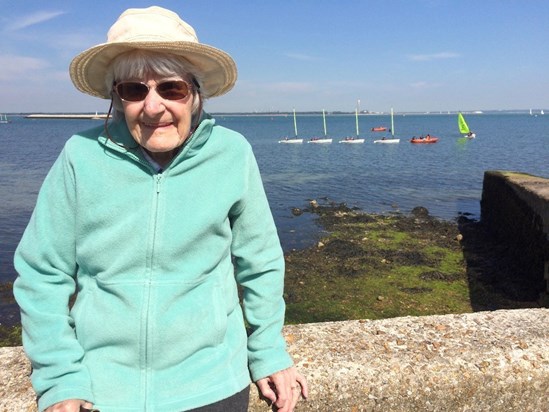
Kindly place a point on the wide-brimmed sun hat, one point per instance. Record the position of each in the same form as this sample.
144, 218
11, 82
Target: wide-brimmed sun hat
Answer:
156, 29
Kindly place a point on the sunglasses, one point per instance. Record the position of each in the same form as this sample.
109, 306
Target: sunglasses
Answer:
138, 91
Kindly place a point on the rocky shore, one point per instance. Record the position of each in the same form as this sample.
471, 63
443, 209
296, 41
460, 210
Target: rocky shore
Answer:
371, 266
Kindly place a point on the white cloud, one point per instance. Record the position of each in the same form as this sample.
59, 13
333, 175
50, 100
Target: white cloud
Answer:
302, 57
434, 56
32, 19
13, 67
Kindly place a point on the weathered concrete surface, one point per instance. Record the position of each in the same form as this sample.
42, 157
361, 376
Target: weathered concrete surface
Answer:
486, 361
515, 207
16, 394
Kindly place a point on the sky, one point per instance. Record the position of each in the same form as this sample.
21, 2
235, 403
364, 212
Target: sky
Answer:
307, 55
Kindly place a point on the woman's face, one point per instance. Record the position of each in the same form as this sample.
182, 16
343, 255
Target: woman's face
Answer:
159, 125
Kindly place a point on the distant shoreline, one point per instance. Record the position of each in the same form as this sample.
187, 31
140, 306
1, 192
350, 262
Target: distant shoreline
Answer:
221, 114
66, 116
102, 116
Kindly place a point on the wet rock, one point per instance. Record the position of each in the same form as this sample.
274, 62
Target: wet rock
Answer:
420, 212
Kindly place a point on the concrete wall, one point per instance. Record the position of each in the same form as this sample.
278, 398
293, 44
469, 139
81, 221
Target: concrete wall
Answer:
487, 361
515, 207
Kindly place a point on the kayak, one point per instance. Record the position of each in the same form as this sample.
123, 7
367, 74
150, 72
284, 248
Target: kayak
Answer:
379, 129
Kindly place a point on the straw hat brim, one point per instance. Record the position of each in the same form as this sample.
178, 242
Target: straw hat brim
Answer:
216, 68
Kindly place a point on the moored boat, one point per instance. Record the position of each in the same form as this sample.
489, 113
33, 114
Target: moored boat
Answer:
324, 139
393, 139
387, 141
295, 139
352, 139
320, 140
290, 140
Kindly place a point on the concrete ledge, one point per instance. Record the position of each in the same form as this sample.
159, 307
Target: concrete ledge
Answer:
486, 361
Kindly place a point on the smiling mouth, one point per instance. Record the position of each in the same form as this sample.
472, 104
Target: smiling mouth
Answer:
156, 125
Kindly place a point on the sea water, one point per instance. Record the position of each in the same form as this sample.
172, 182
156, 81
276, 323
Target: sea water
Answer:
445, 177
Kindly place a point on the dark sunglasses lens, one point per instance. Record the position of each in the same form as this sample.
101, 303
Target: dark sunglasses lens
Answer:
132, 92
175, 90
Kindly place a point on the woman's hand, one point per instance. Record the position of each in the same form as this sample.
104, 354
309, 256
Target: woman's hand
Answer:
70, 405
284, 388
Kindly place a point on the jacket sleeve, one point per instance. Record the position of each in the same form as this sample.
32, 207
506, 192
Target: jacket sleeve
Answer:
46, 265
259, 262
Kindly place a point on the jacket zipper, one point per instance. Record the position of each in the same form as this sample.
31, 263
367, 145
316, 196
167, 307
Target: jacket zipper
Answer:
147, 307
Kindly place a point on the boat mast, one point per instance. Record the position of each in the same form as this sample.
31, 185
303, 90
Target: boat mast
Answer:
295, 125
356, 116
324, 121
392, 124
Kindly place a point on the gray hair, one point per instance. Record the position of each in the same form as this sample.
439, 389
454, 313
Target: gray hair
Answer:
136, 64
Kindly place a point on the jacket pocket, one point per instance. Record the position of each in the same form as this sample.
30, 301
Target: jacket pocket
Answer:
185, 319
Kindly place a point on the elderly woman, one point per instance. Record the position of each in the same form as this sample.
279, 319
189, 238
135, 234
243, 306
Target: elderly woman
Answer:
152, 221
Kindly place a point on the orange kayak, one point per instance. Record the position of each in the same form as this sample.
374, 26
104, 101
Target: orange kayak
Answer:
430, 139
379, 129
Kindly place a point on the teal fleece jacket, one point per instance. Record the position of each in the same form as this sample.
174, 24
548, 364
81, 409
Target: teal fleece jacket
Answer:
155, 259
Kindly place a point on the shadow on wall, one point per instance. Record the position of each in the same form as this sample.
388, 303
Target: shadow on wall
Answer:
497, 279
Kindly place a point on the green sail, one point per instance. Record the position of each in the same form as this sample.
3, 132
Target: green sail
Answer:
463, 128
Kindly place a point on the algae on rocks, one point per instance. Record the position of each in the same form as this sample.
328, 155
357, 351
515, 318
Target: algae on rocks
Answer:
374, 266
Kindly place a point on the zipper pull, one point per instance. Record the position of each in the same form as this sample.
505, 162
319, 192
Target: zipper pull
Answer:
158, 182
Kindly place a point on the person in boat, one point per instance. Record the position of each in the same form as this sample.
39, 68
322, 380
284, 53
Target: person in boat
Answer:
152, 221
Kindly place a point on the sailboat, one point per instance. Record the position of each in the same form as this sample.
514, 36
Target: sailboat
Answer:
392, 139
353, 139
294, 139
324, 139
464, 128
4, 118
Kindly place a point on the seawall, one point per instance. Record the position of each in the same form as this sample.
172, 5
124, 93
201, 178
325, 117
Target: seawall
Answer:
486, 361
515, 208
494, 361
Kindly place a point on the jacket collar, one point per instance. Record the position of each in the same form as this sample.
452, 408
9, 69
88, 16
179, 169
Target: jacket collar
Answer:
122, 141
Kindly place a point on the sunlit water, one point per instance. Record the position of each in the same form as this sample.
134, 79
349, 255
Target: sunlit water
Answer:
445, 177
